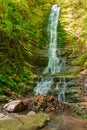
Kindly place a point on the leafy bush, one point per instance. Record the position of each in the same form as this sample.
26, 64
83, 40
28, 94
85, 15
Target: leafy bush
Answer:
9, 83
82, 59
85, 116
23, 79
25, 74
8, 71
1, 91
2, 79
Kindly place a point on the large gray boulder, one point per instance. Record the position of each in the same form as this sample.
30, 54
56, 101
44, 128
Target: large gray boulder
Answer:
14, 106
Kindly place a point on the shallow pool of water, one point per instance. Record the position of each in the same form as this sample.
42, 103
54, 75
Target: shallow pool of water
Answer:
66, 122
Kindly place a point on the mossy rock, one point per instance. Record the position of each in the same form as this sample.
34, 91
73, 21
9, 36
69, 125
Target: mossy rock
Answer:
81, 60
24, 122
25, 88
73, 90
4, 98
73, 98
7, 91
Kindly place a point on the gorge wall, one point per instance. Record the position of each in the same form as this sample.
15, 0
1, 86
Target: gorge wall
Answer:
24, 38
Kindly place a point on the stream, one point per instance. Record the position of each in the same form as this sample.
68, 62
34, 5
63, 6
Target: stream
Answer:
66, 122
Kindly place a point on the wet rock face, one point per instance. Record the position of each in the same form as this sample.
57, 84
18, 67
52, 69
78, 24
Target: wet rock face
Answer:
23, 122
72, 91
14, 106
70, 84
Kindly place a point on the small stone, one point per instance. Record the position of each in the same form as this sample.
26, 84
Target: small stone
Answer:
1, 115
85, 84
31, 113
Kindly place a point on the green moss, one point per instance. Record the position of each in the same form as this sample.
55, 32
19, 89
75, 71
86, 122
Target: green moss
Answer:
1, 91
9, 83
85, 116
25, 74
8, 71
82, 59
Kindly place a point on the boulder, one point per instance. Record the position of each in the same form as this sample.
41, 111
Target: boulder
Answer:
24, 122
14, 106
31, 113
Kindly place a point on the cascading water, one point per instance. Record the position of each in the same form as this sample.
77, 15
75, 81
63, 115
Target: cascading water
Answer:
61, 95
55, 62
54, 65
43, 86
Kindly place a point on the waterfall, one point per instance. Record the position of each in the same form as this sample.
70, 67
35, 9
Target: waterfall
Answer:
43, 86
55, 62
61, 94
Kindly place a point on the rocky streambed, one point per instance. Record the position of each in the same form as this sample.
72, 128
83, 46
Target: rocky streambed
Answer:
42, 111
37, 110
66, 122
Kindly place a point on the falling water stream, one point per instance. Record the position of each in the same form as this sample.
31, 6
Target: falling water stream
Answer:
54, 65
55, 61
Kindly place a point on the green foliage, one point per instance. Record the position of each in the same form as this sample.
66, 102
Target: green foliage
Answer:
1, 91
23, 79
9, 83
17, 79
12, 84
23, 25
85, 116
21, 20
25, 74
8, 71
82, 59
12, 23
78, 4
2, 79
